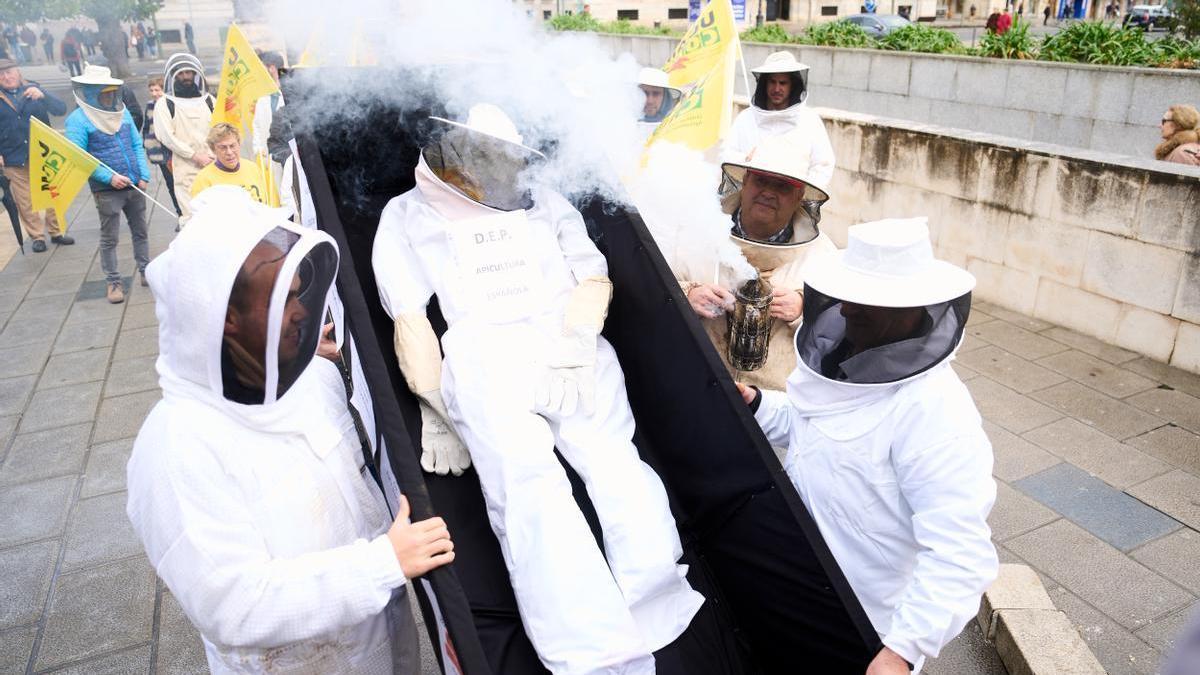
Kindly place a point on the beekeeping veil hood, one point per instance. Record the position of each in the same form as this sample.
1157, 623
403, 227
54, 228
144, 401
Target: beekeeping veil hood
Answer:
240, 296
484, 158
98, 94
779, 160
177, 64
780, 62
887, 267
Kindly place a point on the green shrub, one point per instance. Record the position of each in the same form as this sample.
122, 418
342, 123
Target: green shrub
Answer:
771, 32
625, 27
919, 37
1099, 43
581, 21
837, 34
1173, 52
1017, 43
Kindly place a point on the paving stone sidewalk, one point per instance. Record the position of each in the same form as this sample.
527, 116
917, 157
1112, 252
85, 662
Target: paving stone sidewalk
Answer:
1097, 464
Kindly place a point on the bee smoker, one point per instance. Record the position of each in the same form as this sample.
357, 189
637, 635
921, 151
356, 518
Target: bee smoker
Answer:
750, 325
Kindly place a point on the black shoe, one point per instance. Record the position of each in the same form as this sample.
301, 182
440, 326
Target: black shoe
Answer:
39, 246
62, 240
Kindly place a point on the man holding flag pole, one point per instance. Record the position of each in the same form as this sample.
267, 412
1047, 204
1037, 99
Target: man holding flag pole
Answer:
103, 128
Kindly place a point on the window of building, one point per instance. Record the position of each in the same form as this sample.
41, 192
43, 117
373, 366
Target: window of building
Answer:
677, 13
829, 10
785, 10
546, 14
627, 14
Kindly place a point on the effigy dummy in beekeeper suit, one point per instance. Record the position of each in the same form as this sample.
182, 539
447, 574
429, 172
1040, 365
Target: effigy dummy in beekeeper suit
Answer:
885, 445
524, 292
248, 482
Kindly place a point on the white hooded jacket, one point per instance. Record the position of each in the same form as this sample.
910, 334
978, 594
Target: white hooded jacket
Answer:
261, 519
798, 125
898, 478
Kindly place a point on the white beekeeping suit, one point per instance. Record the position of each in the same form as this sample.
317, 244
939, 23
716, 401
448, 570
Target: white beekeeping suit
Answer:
181, 122
247, 484
885, 445
524, 293
796, 124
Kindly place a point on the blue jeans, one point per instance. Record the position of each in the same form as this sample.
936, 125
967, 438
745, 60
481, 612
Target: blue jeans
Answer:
110, 204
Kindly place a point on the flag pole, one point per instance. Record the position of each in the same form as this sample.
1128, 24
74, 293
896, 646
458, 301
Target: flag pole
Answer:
133, 185
170, 212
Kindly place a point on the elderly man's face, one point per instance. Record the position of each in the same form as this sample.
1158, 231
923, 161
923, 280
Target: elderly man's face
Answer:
10, 78
768, 203
654, 99
868, 326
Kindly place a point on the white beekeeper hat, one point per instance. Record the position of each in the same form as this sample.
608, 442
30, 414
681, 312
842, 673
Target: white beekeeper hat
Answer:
97, 75
653, 77
780, 62
889, 263
780, 158
490, 120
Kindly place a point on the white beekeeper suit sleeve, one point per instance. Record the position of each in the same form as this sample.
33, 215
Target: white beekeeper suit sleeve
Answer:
950, 494
232, 587
405, 296
774, 415
821, 157
569, 379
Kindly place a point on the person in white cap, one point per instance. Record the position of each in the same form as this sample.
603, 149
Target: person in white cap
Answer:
775, 206
885, 445
250, 484
525, 292
181, 122
103, 126
779, 110
660, 96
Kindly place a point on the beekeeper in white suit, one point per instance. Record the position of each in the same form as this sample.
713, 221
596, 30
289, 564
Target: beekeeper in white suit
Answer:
885, 445
248, 484
524, 293
779, 110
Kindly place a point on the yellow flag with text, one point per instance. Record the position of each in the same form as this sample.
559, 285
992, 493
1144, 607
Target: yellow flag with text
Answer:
708, 41
58, 170
702, 117
244, 80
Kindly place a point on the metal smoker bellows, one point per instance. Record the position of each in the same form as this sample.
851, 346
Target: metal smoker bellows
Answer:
750, 325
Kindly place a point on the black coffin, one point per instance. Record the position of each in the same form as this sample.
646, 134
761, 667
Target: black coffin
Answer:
778, 603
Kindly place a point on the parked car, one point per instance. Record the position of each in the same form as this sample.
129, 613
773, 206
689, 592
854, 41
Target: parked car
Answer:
1149, 17
878, 25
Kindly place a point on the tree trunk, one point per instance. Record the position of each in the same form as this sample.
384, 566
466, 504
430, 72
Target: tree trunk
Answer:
113, 45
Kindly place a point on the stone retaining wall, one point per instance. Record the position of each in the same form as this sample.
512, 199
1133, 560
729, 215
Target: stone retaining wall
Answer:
1109, 109
1102, 244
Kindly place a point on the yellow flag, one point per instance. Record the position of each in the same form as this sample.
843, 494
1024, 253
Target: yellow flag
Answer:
706, 43
270, 192
702, 117
58, 169
244, 80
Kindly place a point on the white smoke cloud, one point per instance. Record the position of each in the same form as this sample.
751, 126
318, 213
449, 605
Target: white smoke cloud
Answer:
564, 91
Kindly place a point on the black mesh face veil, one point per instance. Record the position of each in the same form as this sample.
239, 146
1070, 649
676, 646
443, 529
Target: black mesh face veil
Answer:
799, 89
822, 345
278, 299
486, 170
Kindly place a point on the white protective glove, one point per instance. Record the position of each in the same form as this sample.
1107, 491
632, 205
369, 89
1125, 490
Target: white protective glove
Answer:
442, 451
568, 381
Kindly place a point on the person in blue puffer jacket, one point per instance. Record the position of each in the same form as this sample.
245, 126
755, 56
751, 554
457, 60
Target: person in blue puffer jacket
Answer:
103, 127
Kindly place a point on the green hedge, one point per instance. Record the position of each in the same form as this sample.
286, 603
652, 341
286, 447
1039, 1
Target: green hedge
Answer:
1081, 42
